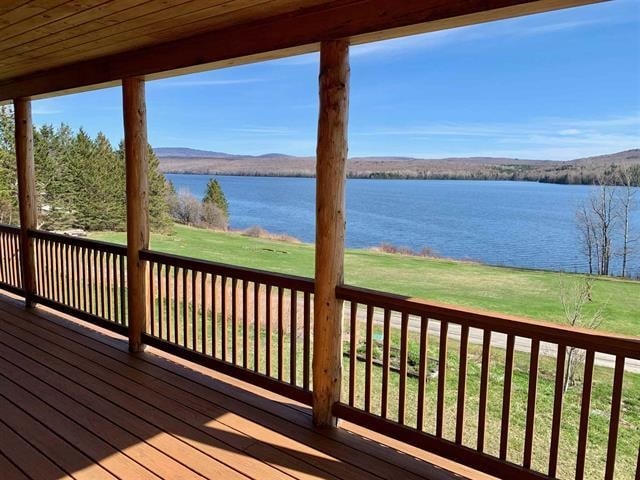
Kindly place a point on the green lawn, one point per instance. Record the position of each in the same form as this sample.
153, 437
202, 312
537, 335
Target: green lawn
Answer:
522, 292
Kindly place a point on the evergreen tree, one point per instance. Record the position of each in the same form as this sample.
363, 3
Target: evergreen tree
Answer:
215, 195
8, 181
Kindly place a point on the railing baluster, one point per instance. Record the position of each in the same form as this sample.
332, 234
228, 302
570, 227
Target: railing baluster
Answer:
267, 325
234, 321
306, 355
159, 304
353, 347
167, 300
245, 323
506, 397
442, 374
203, 313
185, 306
369, 358
484, 390
194, 309
176, 337
557, 410
462, 382
214, 316
223, 322
123, 295
585, 409
90, 280
386, 359
280, 333
152, 319
107, 266
293, 337
256, 326
404, 351
102, 301
614, 420
422, 371
531, 403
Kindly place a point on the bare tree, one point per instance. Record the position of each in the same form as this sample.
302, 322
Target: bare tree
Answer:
627, 195
597, 220
575, 296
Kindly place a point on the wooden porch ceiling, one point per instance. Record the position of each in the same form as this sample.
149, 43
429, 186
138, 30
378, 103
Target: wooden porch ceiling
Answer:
52, 46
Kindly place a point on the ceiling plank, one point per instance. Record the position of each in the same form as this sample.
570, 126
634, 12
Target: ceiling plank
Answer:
358, 20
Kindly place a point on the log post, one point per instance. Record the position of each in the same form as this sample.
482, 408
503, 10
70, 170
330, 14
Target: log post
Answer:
26, 195
135, 141
331, 157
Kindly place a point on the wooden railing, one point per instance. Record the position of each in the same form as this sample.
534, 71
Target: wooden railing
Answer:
250, 323
482, 389
85, 278
408, 376
10, 268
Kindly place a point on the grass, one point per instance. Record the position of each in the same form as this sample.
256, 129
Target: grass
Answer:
522, 292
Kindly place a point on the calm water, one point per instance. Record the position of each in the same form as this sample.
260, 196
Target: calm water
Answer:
503, 223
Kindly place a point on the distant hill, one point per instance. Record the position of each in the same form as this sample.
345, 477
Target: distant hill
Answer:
578, 171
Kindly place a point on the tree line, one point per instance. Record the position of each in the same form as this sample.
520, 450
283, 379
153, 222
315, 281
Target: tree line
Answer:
80, 181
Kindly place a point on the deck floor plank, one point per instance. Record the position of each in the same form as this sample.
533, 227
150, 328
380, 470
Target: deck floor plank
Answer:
153, 416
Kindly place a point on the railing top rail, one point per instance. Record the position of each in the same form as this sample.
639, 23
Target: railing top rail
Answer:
9, 228
599, 341
80, 242
293, 282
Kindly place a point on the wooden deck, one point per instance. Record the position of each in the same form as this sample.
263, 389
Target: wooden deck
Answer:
75, 404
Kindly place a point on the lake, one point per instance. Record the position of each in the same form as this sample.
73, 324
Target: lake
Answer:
522, 224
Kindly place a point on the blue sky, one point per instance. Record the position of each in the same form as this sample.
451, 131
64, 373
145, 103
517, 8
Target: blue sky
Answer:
558, 85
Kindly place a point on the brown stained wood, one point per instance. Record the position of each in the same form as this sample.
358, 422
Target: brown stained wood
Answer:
306, 355
484, 389
402, 390
585, 410
161, 297
293, 337
462, 383
194, 311
266, 33
176, 306
214, 316
422, 371
368, 372
137, 187
268, 421
203, 313
185, 306
245, 324
353, 353
603, 342
280, 334
506, 397
267, 331
223, 322
614, 421
386, 360
234, 321
27, 194
442, 379
331, 154
152, 293
531, 403
256, 326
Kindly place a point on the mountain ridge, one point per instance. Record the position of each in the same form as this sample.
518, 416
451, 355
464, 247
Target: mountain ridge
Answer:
581, 170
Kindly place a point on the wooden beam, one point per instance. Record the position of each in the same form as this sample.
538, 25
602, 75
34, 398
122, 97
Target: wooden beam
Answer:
330, 228
135, 141
293, 33
26, 195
